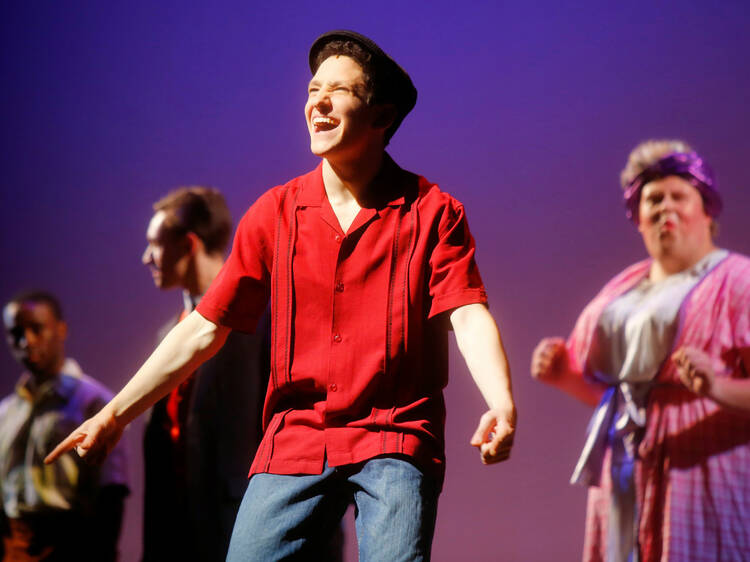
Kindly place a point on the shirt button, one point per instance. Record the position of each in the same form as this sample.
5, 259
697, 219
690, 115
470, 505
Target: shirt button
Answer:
338, 238
339, 287
336, 338
333, 387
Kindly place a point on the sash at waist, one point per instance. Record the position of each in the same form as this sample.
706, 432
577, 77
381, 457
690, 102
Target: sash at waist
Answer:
620, 414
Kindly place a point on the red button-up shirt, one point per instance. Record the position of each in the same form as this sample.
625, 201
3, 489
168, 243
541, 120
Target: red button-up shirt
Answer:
359, 344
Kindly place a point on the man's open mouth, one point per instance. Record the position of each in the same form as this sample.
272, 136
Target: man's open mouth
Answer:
324, 123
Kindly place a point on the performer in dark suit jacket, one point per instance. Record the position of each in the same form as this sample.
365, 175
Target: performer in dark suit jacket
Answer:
201, 438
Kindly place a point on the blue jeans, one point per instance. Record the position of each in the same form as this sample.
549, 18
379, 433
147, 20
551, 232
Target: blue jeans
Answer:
293, 517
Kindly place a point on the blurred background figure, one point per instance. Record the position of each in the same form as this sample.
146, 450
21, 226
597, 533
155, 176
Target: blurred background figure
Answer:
201, 438
43, 504
663, 353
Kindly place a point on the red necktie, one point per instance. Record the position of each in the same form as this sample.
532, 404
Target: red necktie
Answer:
178, 401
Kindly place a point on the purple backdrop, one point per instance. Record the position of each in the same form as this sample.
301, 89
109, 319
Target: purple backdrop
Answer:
525, 113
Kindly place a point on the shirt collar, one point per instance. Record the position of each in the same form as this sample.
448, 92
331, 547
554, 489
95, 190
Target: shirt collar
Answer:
387, 189
61, 385
190, 302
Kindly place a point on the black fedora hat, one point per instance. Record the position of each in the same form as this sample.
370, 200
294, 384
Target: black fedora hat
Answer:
392, 83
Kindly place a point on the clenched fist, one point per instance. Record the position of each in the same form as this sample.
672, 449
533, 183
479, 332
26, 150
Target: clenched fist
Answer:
550, 361
695, 369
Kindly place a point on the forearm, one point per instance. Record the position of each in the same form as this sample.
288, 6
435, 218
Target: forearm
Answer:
552, 364
575, 385
482, 347
480, 344
697, 371
731, 393
186, 346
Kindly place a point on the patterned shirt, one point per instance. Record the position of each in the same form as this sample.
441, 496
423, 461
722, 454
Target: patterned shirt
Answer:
33, 420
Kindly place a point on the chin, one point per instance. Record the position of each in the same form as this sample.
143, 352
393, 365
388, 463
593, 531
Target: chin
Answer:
34, 368
663, 252
319, 149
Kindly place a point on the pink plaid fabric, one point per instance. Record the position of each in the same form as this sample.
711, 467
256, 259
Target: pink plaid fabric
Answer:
693, 474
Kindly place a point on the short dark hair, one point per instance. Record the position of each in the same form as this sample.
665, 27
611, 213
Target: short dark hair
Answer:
361, 57
38, 296
201, 210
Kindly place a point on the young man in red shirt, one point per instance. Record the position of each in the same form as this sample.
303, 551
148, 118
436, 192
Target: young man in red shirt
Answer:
367, 267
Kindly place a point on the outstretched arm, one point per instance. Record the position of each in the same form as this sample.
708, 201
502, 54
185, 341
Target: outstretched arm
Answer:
186, 346
481, 346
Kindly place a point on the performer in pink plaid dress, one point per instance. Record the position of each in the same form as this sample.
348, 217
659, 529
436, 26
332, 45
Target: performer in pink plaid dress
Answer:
663, 353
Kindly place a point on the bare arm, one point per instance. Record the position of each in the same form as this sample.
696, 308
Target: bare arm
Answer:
480, 344
550, 363
697, 371
186, 346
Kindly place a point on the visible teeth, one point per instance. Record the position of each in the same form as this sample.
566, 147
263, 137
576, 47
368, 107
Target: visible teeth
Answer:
323, 121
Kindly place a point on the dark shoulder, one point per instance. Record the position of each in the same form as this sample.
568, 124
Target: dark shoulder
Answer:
91, 390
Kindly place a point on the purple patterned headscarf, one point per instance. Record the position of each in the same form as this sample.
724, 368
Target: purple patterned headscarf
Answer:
687, 165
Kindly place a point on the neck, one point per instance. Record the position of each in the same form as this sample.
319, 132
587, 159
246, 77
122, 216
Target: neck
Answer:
204, 270
42, 376
349, 180
669, 264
